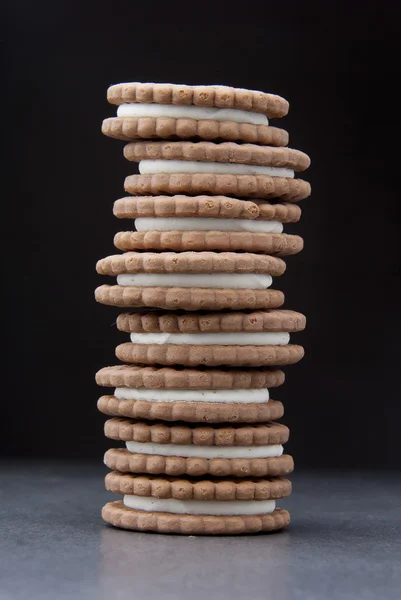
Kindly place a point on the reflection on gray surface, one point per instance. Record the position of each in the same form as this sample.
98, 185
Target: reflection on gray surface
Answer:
344, 542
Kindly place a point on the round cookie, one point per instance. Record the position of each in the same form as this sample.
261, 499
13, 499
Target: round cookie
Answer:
260, 338
198, 450
191, 488
191, 395
171, 298
216, 207
193, 506
175, 322
212, 355
218, 96
187, 299
190, 263
240, 186
275, 244
129, 128
118, 515
226, 152
169, 378
191, 412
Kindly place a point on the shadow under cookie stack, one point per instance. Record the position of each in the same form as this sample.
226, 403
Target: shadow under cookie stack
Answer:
206, 334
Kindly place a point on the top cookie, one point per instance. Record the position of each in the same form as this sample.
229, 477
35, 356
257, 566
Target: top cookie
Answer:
190, 262
217, 207
225, 152
198, 95
154, 377
216, 322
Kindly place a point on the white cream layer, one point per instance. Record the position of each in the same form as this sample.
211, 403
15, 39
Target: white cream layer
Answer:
235, 281
191, 112
273, 338
208, 224
193, 166
192, 450
164, 395
200, 507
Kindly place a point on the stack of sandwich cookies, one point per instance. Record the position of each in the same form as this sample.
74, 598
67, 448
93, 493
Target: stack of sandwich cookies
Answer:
207, 337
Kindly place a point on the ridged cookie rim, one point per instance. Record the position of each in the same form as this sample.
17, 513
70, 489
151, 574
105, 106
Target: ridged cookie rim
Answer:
153, 377
148, 128
242, 186
118, 515
158, 432
126, 462
224, 207
273, 244
180, 488
190, 355
224, 152
192, 412
190, 262
214, 322
220, 96
190, 299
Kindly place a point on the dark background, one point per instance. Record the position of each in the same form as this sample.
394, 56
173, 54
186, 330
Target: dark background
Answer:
339, 68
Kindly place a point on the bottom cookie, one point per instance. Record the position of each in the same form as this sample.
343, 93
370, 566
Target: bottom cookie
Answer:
175, 298
192, 412
117, 514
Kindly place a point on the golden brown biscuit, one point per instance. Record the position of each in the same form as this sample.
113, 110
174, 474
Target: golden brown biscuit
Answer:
222, 207
147, 128
276, 244
226, 152
192, 412
175, 322
191, 299
115, 513
239, 186
199, 95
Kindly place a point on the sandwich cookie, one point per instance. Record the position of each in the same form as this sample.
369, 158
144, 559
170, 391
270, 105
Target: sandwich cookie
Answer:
191, 280
205, 223
182, 449
259, 338
147, 110
243, 170
196, 506
191, 395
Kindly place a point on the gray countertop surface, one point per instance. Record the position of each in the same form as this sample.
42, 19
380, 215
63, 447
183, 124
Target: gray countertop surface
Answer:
344, 542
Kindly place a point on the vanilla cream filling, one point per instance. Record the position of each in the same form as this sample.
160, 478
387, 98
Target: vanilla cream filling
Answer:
191, 112
167, 395
251, 281
192, 450
271, 338
200, 507
193, 166
206, 224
